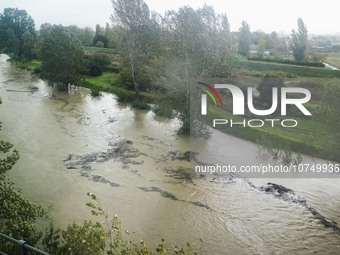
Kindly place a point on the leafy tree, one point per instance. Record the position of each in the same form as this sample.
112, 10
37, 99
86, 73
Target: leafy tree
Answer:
96, 63
18, 216
104, 60
261, 47
100, 38
300, 41
257, 36
196, 46
61, 54
94, 69
271, 40
7, 161
200, 39
217, 43
85, 35
138, 37
167, 53
244, 39
277, 45
17, 33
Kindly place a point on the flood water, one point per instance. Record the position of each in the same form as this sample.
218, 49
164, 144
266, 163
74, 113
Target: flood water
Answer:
71, 144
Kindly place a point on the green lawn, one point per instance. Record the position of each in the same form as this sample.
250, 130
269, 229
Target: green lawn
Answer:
105, 82
109, 82
29, 65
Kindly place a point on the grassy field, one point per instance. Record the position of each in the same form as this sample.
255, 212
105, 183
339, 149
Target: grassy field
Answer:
259, 69
310, 136
29, 65
109, 82
333, 59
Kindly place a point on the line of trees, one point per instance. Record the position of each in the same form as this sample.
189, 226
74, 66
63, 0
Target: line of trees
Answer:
17, 33
167, 53
161, 54
157, 52
298, 42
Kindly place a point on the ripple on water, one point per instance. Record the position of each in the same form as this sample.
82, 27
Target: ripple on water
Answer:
156, 197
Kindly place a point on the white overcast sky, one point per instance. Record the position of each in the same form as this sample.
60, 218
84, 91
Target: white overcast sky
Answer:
321, 17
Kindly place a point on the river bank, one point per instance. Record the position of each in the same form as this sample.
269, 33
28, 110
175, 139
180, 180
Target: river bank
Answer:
310, 137
146, 185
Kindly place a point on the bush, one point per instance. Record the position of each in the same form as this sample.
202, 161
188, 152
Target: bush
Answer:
102, 59
94, 238
126, 78
100, 44
123, 95
165, 112
112, 69
95, 93
94, 69
140, 105
185, 128
37, 70
89, 238
19, 217
95, 64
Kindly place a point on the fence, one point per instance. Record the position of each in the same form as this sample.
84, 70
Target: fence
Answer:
21, 247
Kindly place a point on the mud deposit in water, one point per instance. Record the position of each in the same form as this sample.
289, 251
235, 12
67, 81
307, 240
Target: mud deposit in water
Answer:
171, 196
121, 151
71, 144
289, 196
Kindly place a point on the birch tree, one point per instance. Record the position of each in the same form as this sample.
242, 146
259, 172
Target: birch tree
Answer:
133, 19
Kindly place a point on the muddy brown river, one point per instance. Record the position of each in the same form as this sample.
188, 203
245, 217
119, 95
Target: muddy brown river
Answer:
71, 144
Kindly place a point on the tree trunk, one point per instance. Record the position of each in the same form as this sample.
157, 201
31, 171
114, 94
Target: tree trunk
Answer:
133, 72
